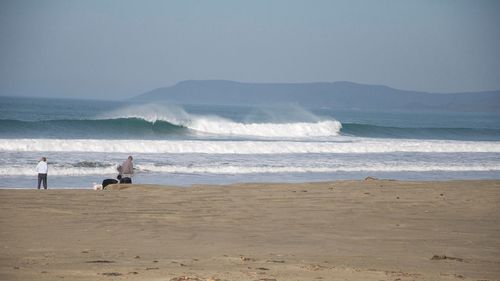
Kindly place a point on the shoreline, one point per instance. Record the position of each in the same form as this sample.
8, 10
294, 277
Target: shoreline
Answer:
200, 185
339, 230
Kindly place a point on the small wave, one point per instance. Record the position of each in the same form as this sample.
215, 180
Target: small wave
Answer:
233, 170
59, 171
290, 169
246, 147
97, 128
92, 164
374, 131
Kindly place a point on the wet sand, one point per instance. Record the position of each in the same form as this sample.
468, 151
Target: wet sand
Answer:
345, 230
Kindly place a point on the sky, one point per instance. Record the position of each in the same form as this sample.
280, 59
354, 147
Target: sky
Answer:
117, 49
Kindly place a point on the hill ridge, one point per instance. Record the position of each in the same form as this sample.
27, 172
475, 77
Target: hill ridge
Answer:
335, 95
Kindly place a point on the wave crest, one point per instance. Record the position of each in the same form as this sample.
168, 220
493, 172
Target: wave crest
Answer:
221, 126
294, 130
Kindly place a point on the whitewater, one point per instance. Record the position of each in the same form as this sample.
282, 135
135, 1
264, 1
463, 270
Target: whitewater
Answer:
246, 147
217, 125
183, 145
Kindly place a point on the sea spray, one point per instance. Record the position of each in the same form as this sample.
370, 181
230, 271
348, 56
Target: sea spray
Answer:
212, 124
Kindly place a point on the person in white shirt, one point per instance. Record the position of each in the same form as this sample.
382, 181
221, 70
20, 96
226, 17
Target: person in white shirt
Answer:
42, 169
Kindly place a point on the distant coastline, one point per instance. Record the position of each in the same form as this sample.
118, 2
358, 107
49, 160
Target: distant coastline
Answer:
335, 95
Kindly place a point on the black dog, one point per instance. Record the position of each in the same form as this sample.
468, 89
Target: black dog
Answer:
107, 182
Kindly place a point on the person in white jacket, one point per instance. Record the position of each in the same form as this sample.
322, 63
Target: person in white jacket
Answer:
42, 169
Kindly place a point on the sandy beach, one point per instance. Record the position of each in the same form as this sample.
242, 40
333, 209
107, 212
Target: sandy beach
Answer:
344, 230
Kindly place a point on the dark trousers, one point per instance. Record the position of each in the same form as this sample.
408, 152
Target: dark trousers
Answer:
42, 178
126, 180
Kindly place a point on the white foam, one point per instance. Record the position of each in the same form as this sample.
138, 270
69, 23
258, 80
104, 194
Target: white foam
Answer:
291, 169
291, 130
245, 147
233, 170
222, 126
58, 171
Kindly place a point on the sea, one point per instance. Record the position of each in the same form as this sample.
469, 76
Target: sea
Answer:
184, 145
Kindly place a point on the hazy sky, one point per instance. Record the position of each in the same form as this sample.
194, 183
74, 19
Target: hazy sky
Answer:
118, 49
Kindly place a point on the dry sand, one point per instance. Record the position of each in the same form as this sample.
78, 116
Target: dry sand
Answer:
346, 230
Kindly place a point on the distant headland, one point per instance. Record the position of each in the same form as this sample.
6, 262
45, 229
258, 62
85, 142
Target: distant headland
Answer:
334, 95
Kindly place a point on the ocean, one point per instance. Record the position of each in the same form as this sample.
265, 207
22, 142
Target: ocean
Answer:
182, 145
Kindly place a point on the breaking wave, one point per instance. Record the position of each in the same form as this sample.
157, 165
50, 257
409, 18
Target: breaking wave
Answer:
232, 170
161, 122
246, 147
172, 122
